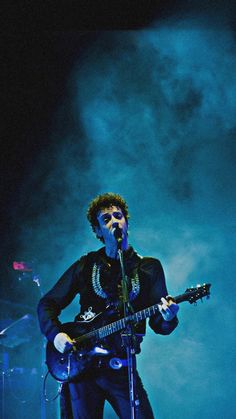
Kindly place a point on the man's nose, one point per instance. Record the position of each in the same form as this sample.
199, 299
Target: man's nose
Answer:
114, 223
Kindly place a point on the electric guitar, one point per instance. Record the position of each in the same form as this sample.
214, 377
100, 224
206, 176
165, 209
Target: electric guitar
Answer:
70, 365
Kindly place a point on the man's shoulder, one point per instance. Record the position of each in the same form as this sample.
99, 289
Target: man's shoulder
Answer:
88, 257
150, 262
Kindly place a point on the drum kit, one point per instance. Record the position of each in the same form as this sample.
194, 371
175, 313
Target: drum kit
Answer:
22, 366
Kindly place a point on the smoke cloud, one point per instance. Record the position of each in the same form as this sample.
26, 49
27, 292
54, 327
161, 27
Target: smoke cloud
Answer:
154, 116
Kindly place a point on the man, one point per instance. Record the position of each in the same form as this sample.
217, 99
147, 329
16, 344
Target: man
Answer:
96, 277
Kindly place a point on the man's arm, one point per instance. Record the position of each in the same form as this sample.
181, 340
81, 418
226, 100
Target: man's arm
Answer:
59, 297
165, 322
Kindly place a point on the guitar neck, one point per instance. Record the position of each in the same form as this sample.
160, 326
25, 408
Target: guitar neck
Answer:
116, 326
140, 315
120, 324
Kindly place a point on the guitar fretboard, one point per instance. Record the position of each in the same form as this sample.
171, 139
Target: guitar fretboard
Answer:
121, 324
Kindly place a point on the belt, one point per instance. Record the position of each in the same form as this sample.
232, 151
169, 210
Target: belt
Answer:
115, 363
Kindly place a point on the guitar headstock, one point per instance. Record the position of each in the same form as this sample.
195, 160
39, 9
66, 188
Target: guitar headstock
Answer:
196, 293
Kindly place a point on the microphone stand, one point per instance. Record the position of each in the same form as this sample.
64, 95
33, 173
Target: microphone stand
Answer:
128, 337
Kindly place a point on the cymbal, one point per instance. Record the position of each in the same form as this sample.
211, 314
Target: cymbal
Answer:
17, 332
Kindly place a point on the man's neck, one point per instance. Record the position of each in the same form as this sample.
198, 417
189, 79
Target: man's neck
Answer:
112, 251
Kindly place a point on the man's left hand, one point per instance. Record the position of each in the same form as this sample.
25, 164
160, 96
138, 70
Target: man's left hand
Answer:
168, 308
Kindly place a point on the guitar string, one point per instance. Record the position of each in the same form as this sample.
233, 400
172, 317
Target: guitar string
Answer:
202, 291
111, 325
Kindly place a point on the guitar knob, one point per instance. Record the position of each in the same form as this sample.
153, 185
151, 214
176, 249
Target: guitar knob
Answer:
79, 356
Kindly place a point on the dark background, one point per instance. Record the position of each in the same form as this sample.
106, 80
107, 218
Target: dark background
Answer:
40, 45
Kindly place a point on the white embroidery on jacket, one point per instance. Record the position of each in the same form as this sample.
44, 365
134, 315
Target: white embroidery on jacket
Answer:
101, 293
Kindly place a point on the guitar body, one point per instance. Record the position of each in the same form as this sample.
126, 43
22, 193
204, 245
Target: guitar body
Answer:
71, 365
68, 366
91, 336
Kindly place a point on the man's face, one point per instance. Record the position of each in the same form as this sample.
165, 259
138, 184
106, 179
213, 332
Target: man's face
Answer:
108, 220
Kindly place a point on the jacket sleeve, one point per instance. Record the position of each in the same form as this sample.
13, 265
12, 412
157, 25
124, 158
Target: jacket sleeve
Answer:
59, 297
157, 290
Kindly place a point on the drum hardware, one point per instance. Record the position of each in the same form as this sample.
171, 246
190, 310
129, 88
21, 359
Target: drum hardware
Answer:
20, 379
27, 271
18, 331
21, 383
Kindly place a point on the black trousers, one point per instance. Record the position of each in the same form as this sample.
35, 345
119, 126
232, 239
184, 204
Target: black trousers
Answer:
85, 399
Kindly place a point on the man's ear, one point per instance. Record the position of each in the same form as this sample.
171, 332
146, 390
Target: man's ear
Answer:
98, 231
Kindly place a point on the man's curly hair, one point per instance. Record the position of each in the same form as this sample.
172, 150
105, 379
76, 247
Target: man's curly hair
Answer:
105, 201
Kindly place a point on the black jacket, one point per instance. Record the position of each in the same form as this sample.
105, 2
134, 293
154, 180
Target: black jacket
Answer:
147, 290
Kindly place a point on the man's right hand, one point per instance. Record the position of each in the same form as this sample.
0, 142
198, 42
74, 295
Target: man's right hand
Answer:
63, 342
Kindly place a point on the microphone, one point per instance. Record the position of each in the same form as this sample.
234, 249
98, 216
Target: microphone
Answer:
118, 233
